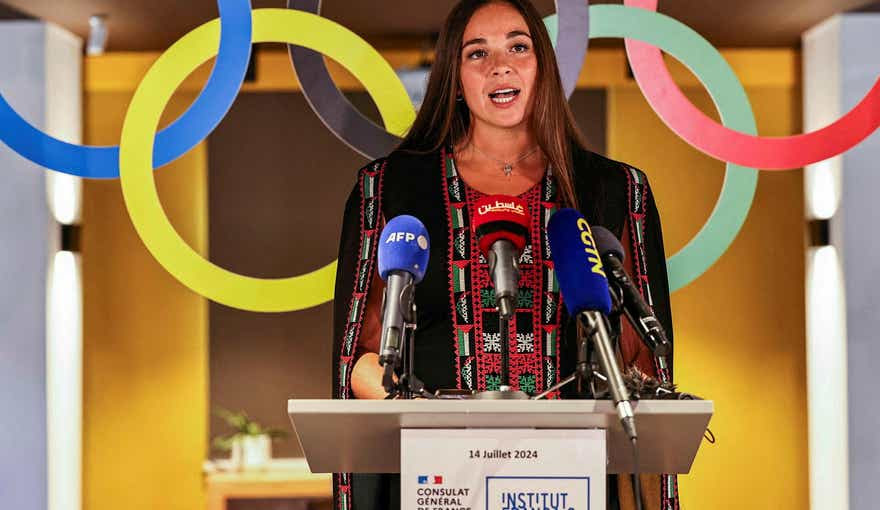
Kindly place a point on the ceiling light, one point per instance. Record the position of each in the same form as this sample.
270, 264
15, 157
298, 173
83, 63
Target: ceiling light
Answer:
97, 42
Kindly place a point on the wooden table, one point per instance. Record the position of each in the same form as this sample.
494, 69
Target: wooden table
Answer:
282, 478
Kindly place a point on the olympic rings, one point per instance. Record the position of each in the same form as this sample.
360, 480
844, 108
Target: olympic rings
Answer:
372, 141
730, 98
769, 153
185, 133
140, 146
136, 149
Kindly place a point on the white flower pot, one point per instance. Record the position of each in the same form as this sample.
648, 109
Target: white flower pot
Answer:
251, 452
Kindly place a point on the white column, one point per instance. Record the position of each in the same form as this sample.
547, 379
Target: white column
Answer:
843, 282
24, 237
41, 405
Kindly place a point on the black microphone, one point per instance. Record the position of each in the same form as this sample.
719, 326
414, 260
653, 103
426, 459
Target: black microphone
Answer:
627, 296
402, 260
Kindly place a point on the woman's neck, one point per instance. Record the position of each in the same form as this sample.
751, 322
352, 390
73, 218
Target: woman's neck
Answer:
503, 144
482, 158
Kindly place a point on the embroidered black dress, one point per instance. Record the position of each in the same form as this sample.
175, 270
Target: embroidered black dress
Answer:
458, 341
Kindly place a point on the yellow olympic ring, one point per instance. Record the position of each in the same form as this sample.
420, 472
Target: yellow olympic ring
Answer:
142, 121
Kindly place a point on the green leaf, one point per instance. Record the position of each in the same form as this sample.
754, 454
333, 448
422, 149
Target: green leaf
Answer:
224, 443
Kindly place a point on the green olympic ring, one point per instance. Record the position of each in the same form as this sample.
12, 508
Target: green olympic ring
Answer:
695, 52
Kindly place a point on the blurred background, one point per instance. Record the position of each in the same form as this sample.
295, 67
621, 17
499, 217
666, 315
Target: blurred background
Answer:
263, 196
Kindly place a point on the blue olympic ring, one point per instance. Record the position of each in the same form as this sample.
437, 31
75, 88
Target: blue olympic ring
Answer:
211, 106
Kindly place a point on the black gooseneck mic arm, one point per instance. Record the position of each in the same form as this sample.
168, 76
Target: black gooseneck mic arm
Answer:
626, 297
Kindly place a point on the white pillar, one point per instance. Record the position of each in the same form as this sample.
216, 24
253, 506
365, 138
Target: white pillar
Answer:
841, 64
40, 426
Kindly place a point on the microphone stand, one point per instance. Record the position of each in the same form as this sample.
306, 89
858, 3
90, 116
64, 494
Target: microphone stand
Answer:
408, 386
593, 325
586, 369
504, 332
504, 392
505, 298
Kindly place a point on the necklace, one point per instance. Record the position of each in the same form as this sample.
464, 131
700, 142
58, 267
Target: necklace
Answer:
506, 167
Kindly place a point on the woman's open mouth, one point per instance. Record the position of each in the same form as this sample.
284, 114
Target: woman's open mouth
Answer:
504, 96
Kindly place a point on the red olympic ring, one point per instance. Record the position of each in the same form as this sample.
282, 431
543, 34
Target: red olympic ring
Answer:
769, 153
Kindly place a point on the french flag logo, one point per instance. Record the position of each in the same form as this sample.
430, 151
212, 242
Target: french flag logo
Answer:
430, 480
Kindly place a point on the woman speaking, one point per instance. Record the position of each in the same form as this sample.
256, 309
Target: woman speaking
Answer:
494, 121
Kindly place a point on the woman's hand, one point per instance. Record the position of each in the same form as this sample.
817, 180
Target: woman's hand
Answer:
366, 378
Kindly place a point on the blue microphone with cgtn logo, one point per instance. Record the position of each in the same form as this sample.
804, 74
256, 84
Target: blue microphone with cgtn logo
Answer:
577, 263
402, 260
581, 276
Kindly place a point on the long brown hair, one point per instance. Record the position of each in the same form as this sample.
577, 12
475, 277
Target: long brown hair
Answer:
444, 121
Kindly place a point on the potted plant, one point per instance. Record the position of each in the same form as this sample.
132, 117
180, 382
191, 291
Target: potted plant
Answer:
250, 446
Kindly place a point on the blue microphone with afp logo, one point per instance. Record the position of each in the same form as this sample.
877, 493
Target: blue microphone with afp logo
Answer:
402, 260
584, 287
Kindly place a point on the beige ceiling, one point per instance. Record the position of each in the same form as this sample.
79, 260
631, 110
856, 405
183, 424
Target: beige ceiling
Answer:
155, 24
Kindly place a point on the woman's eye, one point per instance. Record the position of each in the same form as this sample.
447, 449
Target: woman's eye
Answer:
477, 54
520, 48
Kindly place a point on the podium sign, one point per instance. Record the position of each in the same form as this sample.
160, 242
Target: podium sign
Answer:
502, 469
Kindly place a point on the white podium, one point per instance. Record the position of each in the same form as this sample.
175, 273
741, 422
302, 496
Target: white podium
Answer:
363, 436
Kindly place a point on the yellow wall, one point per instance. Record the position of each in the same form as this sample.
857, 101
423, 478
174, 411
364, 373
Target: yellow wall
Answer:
145, 336
739, 330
